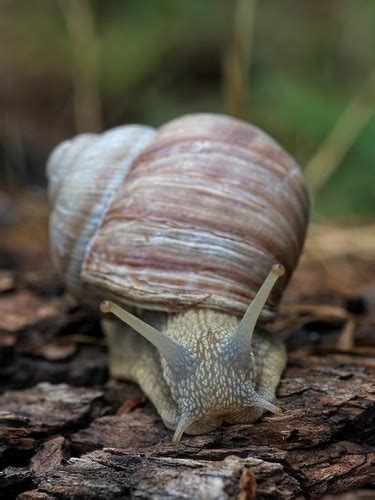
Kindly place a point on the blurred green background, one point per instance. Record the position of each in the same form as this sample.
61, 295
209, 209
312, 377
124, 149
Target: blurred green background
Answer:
299, 69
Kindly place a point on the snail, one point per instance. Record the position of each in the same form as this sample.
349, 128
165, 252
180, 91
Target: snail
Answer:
197, 227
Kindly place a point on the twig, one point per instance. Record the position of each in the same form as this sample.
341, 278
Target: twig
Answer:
346, 131
15, 171
81, 26
237, 59
320, 311
345, 341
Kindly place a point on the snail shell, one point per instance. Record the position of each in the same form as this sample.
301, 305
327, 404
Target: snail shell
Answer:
194, 214
84, 174
198, 219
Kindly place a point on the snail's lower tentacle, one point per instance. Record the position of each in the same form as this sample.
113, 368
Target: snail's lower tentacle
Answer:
131, 357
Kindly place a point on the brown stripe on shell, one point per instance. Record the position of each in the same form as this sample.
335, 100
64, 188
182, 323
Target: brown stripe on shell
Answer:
207, 208
206, 212
140, 272
224, 129
205, 168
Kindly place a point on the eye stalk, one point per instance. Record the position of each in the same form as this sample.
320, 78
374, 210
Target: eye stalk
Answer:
251, 316
178, 357
237, 348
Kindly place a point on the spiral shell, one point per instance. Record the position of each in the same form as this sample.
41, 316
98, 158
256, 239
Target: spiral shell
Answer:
207, 207
84, 173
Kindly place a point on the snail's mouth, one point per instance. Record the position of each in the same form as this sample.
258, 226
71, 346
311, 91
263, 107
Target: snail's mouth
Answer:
204, 425
211, 421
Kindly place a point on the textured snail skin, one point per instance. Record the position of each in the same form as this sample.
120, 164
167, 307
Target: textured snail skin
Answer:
214, 392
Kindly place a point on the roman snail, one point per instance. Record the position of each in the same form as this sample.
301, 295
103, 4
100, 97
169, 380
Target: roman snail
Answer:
186, 225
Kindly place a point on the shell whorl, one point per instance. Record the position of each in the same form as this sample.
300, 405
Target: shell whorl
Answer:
84, 174
206, 209
62, 160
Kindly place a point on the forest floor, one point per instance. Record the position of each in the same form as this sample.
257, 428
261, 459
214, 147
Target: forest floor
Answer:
67, 430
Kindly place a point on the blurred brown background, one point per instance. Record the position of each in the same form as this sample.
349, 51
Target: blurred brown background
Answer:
299, 69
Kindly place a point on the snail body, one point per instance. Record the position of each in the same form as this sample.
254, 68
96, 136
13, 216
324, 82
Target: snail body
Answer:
189, 223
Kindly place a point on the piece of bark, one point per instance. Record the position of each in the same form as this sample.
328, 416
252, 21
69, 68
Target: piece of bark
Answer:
336, 468
14, 480
44, 284
33, 495
112, 473
87, 367
22, 309
118, 391
353, 495
7, 281
7, 343
129, 431
57, 350
130, 405
51, 455
28, 416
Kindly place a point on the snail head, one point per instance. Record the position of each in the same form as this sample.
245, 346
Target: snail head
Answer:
216, 381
